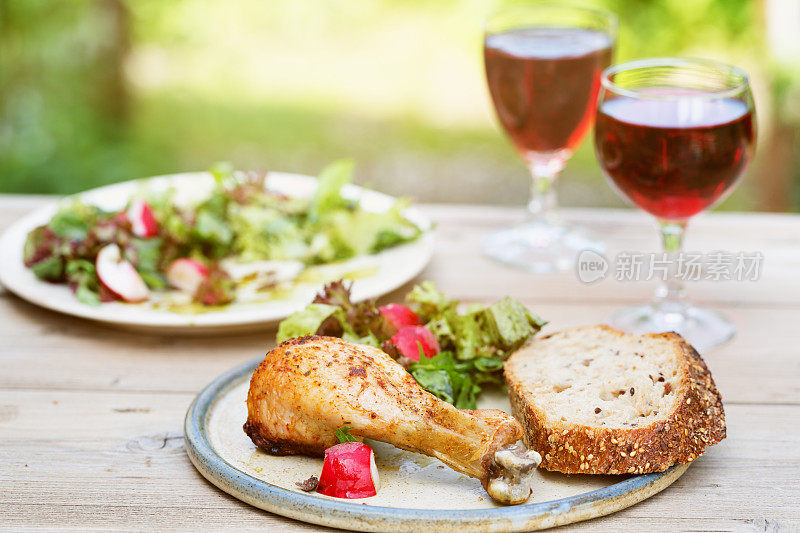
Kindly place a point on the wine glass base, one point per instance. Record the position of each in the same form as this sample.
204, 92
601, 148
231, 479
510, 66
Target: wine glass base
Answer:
540, 247
702, 328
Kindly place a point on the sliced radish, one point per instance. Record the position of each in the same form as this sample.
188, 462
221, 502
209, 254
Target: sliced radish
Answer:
400, 315
143, 222
186, 274
410, 338
118, 275
349, 471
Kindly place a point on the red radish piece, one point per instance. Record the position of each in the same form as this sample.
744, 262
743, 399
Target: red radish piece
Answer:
186, 274
409, 339
349, 471
400, 315
118, 275
142, 220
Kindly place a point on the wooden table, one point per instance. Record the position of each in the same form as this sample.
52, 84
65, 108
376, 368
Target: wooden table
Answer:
91, 418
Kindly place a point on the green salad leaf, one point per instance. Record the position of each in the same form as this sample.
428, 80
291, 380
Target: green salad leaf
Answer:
73, 220
436, 379
430, 304
83, 276
328, 196
474, 344
215, 231
51, 268
454, 381
343, 434
87, 296
480, 332
364, 232
222, 171
306, 322
262, 232
508, 323
243, 218
145, 255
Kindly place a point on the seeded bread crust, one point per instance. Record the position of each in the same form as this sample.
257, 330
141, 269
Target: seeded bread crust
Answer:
697, 421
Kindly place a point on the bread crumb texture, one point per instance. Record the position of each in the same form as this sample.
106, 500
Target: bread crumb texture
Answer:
596, 400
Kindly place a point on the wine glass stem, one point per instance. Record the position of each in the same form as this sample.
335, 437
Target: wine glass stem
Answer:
669, 297
543, 200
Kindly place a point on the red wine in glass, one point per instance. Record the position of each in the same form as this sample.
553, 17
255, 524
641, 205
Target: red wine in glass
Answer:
674, 135
544, 83
674, 158
543, 65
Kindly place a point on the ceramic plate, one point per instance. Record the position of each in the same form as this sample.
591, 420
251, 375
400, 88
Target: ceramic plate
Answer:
378, 274
417, 493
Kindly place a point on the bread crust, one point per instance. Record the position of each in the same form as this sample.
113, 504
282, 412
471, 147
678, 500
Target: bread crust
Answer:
697, 421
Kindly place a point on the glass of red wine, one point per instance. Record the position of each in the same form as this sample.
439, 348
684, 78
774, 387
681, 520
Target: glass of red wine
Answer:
543, 65
674, 136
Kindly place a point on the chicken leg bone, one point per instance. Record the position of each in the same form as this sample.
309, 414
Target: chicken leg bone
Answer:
305, 389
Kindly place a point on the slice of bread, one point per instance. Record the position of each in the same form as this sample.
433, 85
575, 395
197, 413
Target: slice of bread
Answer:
594, 400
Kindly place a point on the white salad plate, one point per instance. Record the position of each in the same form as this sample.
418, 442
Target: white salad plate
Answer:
378, 274
417, 493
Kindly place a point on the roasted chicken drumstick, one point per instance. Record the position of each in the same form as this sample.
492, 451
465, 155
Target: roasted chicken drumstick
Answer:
307, 388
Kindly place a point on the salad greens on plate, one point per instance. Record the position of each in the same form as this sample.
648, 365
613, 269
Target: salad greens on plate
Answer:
453, 354
244, 233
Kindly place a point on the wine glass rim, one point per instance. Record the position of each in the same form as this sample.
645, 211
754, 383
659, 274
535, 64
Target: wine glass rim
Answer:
611, 17
637, 64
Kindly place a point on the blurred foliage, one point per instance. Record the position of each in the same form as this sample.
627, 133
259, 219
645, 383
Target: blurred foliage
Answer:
56, 124
97, 91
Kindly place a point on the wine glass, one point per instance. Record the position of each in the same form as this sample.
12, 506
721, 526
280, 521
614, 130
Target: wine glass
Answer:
674, 136
543, 65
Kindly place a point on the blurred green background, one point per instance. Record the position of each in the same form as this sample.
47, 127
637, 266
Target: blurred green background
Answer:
98, 91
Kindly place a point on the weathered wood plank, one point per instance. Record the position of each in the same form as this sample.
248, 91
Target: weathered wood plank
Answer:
117, 460
91, 416
70, 353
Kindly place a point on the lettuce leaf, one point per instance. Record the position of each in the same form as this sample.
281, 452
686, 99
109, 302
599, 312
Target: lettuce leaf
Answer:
474, 343
480, 332
50, 268
363, 322
145, 254
266, 234
241, 217
443, 332
328, 196
364, 232
430, 304
87, 296
508, 324
435, 380
222, 172
215, 231
471, 340
39, 244
305, 322
69, 224
343, 434
452, 381
81, 274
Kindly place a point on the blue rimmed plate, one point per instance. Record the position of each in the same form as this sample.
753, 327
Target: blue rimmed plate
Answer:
417, 492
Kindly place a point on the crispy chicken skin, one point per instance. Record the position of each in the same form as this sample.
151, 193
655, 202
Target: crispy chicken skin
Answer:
307, 388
